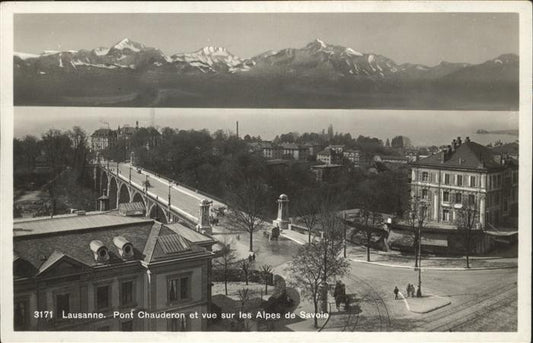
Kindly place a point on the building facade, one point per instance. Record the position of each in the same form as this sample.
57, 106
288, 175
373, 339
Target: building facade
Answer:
467, 173
329, 156
106, 272
354, 156
102, 139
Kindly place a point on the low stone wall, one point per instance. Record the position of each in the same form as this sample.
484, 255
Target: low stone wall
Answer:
303, 230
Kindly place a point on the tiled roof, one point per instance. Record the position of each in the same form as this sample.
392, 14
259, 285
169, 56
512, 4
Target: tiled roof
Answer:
469, 155
38, 249
326, 151
131, 207
47, 225
190, 235
171, 244
42, 247
292, 146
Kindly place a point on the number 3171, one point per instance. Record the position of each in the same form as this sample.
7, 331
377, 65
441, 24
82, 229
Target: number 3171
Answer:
43, 314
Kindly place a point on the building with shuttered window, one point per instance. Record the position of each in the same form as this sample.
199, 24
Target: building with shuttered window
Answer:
101, 262
464, 174
470, 173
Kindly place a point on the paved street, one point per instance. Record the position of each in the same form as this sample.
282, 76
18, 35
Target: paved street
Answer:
180, 197
480, 300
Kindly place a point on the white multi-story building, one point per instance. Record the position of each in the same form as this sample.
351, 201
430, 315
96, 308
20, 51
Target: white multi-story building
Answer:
467, 173
102, 139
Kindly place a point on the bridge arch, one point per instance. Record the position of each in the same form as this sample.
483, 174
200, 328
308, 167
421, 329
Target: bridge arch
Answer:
124, 194
113, 190
158, 213
137, 197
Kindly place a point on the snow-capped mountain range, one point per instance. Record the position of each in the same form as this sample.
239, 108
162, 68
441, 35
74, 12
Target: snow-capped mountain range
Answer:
316, 57
316, 75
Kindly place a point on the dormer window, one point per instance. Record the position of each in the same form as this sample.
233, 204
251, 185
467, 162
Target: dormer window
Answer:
125, 248
99, 250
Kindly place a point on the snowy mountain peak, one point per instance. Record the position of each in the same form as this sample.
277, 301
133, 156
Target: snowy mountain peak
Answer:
126, 43
101, 51
317, 44
320, 42
212, 50
24, 55
350, 51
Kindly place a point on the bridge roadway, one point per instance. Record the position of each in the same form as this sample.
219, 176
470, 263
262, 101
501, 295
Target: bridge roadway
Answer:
183, 200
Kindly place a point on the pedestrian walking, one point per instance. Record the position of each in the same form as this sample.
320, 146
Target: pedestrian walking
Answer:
396, 290
408, 289
412, 290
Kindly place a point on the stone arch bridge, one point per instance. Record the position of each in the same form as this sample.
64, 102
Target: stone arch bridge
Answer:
163, 199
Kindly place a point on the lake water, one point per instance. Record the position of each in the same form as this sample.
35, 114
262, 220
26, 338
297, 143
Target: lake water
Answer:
422, 127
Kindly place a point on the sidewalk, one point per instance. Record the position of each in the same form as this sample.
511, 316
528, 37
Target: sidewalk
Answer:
305, 305
396, 259
426, 303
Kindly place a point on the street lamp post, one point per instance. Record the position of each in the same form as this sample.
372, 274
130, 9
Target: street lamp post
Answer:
344, 227
169, 187
146, 184
421, 215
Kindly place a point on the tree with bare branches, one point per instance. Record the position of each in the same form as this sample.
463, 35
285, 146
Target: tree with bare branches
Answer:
224, 259
307, 209
245, 267
416, 218
266, 273
244, 296
311, 272
467, 222
248, 203
369, 222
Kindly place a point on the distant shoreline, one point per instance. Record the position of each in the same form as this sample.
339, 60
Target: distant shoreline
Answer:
497, 132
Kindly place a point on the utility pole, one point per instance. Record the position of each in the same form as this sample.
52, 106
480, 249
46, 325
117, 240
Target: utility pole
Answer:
344, 227
421, 216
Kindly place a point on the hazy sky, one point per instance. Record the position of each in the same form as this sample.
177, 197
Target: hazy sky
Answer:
425, 38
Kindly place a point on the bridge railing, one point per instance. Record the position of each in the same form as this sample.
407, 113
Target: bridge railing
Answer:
195, 190
162, 201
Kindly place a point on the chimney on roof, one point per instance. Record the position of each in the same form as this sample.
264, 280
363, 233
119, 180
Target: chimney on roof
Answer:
459, 142
467, 140
454, 145
103, 202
